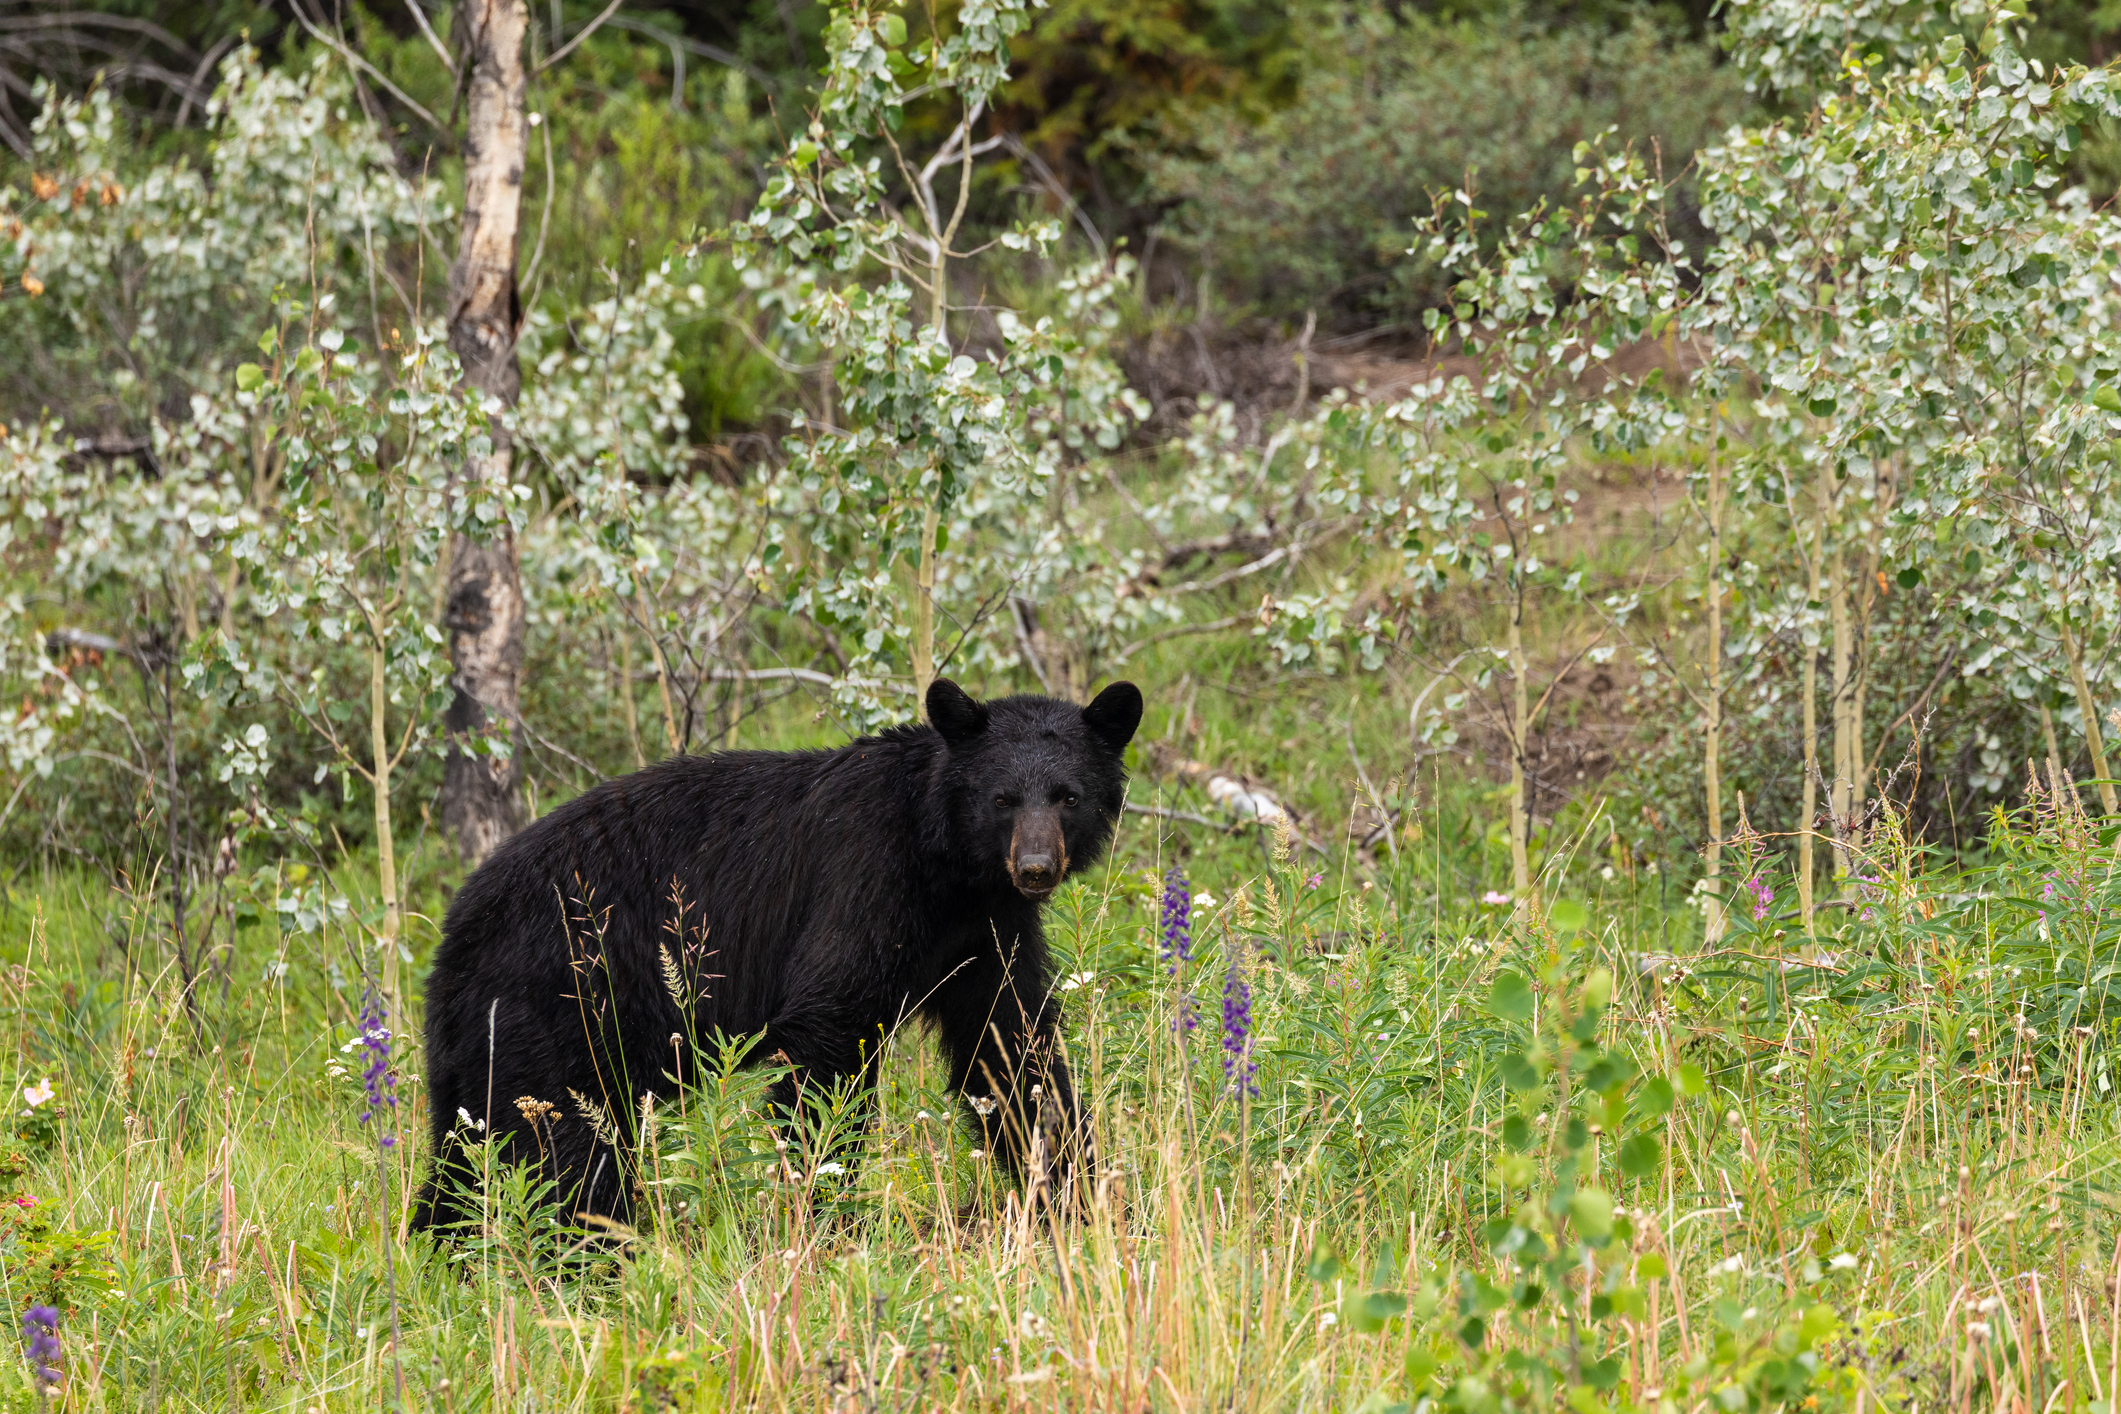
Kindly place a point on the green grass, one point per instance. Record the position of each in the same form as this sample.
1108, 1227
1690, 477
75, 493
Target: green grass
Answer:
230, 1236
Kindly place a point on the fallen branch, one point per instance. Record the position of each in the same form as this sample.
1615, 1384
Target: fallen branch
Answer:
1226, 826
1248, 805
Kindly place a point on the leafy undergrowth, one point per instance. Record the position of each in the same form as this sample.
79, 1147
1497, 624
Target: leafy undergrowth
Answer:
1486, 1159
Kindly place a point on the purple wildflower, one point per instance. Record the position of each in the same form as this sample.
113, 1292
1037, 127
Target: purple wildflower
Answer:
1763, 897
40, 1336
1178, 939
1178, 920
381, 1084
1238, 1064
1316, 880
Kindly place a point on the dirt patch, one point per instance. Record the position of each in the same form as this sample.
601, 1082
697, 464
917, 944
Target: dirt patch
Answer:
1269, 374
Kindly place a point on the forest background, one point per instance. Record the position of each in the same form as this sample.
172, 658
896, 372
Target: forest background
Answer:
1611, 505
1215, 209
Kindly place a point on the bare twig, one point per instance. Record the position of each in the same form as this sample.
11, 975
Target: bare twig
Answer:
686, 44
371, 70
587, 30
420, 18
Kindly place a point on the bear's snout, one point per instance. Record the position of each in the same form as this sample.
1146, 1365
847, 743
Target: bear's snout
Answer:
1038, 853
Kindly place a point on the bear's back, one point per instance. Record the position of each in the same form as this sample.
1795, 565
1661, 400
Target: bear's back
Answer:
731, 846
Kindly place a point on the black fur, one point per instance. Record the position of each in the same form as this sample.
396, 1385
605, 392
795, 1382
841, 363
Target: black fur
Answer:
826, 897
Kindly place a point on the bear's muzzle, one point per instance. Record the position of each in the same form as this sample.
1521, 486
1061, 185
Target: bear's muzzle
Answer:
1038, 853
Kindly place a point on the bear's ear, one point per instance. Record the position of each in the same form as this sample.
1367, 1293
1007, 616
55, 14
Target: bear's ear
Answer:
953, 713
1114, 715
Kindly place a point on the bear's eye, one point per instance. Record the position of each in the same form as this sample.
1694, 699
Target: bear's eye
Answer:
1069, 801
1001, 802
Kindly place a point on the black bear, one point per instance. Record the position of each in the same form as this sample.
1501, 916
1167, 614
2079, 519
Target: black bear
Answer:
818, 897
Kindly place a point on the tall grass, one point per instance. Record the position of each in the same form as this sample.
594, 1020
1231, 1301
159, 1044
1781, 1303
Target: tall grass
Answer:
1873, 1168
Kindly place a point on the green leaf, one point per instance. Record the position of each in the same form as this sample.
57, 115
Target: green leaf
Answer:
1650, 1266
1598, 988
249, 378
1908, 578
893, 29
1692, 1083
1819, 1323
1821, 407
1568, 916
1517, 1072
1591, 1209
1655, 1097
1374, 1311
2106, 400
1324, 1265
1639, 1156
1421, 1367
1511, 998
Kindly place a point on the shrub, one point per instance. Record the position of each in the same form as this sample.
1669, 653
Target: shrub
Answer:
1313, 207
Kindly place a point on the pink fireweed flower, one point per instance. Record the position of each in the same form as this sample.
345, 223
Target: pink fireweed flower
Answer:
1494, 899
1763, 897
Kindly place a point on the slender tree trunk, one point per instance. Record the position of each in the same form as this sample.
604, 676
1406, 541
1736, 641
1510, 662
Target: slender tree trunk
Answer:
626, 702
1712, 753
481, 791
176, 859
1808, 822
2054, 753
662, 684
1520, 812
386, 850
924, 608
1843, 690
2088, 708
1859, 768
932, 518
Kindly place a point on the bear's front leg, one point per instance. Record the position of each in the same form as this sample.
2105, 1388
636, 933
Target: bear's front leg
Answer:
827, 1099
1005, 1062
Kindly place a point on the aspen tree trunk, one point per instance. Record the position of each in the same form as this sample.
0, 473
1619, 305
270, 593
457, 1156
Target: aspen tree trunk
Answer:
662, 684
924, 607
1843, 695
1520, 813
481, 793
932, 518
1712, 753
1860, 688
2088, 708
626, 702
1808, 821
379, 782
1859, 773
2047, 734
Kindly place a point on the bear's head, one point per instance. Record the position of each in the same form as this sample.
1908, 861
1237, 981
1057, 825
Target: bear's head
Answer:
1036, 783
